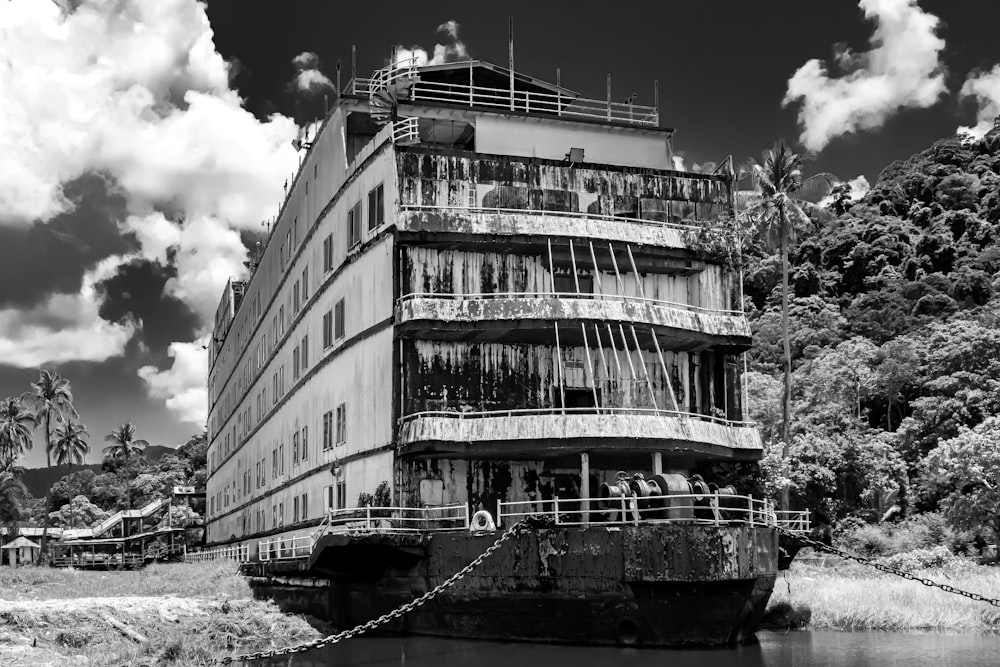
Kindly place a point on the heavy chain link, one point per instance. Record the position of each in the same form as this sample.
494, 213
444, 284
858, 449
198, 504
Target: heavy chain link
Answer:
385, 618
886, 568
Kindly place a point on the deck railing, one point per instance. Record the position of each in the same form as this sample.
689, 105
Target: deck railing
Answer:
593, 296
361, 520
710, 509
239, 553
518, 412
681, 227
535, 101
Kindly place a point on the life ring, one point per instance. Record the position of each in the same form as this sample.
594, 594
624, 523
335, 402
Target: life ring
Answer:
482, 521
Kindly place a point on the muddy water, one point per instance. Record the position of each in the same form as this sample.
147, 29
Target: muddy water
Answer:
815, 649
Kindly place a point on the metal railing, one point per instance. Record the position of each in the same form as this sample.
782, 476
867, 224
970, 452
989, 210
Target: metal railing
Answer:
797, 521
590, 296
239, 553
518, 412
709, 509
565, 214
406, 131
360, 520
557, 104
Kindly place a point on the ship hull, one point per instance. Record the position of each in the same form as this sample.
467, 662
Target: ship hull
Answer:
648, 585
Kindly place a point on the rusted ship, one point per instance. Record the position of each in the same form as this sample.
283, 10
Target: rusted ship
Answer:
482, 303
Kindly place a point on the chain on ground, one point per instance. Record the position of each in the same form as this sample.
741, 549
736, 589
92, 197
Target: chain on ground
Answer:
815, 544
385, 618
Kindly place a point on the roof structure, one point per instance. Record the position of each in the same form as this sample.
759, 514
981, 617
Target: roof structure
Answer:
19, 543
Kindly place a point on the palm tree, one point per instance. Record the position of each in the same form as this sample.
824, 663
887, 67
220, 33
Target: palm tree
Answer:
13, 497
776, 210
16, 424
52, 400
124, 446
71, 445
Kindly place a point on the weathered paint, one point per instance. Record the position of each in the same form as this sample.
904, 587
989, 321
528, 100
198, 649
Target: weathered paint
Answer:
679, 323
547, 433
479, 377
681, 584
501, 181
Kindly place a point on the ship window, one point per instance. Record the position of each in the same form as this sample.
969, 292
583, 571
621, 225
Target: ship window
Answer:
295, 448
305, 283
305, 352
328, 254
354, 226
281, 459
327, 429
274, 516
327, 329
281, 514
295, 363
305, 506
339, 320
296, 297
295, 510
376, 207
564, 282
341, 423
341, 495
305, 443
274, 463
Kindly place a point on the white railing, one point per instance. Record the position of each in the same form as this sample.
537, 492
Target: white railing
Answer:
406, 131
710, 509
557, 103
519, 412
797, 521
361, 520
239, 553
591, 296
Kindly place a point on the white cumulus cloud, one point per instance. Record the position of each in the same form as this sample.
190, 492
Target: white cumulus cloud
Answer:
902, 69
134, 90
984, 88
65, 327
182, 385
309, 77
859, 187
453, 51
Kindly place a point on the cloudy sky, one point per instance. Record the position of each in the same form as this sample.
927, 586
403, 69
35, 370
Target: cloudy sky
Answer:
142, 142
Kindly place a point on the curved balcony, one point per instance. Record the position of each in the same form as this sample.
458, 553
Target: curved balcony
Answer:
541, 431
529, 316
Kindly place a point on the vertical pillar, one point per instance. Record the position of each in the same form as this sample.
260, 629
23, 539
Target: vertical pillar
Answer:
657, 463
585, 485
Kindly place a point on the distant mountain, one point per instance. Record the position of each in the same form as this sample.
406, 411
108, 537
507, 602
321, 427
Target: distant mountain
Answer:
38, 480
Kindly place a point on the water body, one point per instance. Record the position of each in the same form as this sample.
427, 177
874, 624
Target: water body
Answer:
815, 649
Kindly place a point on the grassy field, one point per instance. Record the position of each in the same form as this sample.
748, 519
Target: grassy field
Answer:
189, 614
855, 597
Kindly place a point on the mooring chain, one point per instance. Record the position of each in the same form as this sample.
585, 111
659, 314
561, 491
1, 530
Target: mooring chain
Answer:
385, 618
886, 568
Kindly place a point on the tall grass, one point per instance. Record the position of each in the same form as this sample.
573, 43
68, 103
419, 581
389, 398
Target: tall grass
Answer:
209, 579
858, 598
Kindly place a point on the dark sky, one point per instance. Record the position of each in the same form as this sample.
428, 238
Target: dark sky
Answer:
723, 69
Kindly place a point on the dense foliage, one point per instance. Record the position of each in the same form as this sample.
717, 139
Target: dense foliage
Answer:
895, 342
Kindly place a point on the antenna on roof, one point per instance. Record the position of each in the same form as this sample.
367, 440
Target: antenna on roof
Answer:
510, 49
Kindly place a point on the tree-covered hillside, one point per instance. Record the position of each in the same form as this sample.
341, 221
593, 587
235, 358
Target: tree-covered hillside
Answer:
894, 326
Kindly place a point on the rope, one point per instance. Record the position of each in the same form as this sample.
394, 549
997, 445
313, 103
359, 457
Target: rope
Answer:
385, 618
885, 568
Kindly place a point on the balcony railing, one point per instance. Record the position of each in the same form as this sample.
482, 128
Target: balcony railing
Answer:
557, 104
239, 553
571, 295
709, 509
362, 520
518, 412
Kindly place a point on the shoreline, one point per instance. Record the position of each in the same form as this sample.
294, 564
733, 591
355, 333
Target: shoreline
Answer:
854, 598
167, 614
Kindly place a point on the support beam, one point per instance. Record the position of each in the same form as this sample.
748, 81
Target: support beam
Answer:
585, 485
658, 464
